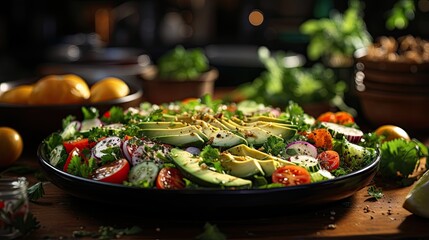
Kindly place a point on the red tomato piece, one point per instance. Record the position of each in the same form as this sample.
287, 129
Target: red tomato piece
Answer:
329, 160
106, 114
114, 172
291, 175
78, 143
170, 178
74, 152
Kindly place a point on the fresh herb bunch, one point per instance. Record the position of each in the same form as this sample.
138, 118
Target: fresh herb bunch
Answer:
399, 159
340, 34
278, 85
181, 63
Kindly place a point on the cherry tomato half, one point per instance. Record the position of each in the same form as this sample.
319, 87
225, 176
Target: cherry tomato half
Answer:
170, 178
74, 152
78, 143
114, 172
329, 160
291, 175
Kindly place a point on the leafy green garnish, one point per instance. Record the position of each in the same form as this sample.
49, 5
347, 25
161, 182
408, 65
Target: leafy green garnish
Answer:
115, 115
52, 141
274, 146
81, 168
36, 191
399, 158
111, 154
211, 232
90, 113
67, 120
210, 157
108, 232
375, 192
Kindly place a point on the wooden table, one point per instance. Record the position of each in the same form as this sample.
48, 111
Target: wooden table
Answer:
356, 217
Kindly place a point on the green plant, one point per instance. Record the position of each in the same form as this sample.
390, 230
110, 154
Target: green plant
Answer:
278, 85
180, 63
400, 14
340, 34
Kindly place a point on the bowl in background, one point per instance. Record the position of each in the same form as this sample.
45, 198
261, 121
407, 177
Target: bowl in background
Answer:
162, 90
36, 122
393, 92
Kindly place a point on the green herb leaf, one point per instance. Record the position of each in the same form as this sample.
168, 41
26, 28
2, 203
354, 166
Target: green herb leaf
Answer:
375, 192
36, 191
211, 232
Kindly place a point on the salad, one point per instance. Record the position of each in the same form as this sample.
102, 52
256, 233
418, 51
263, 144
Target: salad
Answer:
206, 143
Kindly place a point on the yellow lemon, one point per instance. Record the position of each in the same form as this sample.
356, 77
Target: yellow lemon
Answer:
107, 89
60, 89
417, 200
391, 132
11, 146
17, 95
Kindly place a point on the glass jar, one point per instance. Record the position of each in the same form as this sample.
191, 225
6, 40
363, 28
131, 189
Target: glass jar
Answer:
14, 205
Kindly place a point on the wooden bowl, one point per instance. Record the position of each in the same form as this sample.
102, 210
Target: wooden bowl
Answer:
408, 111
158, 90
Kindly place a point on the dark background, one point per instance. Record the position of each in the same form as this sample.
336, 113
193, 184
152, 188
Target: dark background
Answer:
30, 29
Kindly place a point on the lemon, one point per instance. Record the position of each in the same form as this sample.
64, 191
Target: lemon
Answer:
391, 132
107, 89
11, 146
417, 200
17, 95
59, 89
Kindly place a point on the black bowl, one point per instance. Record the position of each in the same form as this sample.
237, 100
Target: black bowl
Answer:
35, 122
202, 199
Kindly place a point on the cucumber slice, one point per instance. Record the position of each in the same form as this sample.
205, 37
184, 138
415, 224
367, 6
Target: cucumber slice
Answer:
308, 162
144, 172
351, 134
321, 175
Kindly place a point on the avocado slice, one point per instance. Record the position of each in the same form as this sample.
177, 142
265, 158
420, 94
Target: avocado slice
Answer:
181, 140
159, 132
271, 128
191, 168
161, 125
267, 119
268, 162
253, 135
240, 166
219, 137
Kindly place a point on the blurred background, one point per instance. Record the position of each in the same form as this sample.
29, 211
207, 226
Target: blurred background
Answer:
36, 34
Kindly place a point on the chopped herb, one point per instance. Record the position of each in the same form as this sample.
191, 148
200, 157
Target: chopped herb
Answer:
67, 120
210, 157
211, 232
274, 146
375, 192
107, 232
111, 154
89, 113
81, 168
36, 191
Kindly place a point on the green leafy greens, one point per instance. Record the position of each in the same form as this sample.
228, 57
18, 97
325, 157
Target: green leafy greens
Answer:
399, 158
